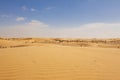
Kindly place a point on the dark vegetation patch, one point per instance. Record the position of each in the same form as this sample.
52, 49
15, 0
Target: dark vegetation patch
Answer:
103, 43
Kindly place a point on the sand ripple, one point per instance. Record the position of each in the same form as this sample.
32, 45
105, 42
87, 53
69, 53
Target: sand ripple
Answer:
59, 63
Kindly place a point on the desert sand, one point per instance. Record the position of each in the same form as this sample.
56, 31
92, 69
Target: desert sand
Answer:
51, 59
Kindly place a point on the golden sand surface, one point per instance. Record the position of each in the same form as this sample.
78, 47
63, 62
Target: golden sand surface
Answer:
59, 59
57, 62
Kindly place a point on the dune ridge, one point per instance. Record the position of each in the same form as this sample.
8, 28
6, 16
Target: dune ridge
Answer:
24, 42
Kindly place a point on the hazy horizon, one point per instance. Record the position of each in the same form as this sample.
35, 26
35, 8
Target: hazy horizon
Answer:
60, 18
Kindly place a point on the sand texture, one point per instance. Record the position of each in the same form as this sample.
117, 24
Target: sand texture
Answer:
30, 60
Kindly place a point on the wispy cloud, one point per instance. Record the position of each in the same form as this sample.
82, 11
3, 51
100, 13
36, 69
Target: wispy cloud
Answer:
36, 28
24, 8
36, 23
92, 30
20, 19
50, 8
32, 9
5, 16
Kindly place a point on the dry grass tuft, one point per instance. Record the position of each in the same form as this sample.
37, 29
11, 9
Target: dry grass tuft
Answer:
23, 42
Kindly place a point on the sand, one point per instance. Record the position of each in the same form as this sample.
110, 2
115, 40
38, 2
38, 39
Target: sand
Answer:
57, 62
23, 42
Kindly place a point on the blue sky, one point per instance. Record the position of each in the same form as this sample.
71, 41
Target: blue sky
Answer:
52, 17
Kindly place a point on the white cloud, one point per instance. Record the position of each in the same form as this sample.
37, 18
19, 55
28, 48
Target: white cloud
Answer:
20, 19
36, 23
92, 30
36, 28
28, 9
31, 29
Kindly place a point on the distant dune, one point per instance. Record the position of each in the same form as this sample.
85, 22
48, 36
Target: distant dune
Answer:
59, 59
22, 42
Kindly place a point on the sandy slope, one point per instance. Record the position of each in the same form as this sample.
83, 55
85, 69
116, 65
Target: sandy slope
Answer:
55, 62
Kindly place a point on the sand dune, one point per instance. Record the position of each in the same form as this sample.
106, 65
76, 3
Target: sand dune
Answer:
40, 61
22, 42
